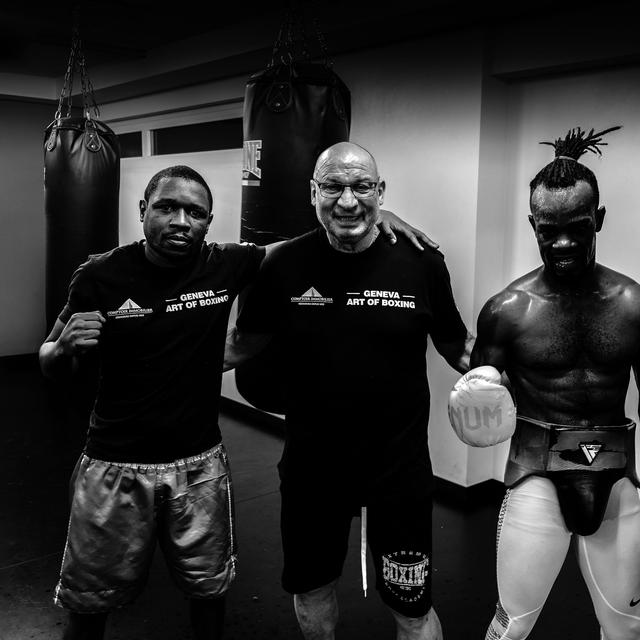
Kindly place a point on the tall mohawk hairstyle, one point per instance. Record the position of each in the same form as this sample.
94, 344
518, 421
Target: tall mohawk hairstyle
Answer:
565, 169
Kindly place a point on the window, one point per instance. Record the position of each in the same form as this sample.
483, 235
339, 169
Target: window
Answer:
130, 144
213, 126
203, 136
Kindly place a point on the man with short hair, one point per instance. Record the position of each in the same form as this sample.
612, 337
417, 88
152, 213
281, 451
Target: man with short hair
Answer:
568, 336
154, 466
354, 315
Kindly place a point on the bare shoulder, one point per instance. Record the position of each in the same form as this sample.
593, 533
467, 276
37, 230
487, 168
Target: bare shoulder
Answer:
624, 288
513, 300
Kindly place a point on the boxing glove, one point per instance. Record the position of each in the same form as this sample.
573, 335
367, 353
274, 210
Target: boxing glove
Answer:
481, 410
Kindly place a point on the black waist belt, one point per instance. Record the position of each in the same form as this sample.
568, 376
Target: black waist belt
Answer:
582, 462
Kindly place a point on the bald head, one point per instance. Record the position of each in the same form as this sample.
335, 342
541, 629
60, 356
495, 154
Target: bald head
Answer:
345, 154
347, 192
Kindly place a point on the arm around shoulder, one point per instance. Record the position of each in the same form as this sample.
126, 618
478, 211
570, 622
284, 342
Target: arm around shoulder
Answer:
270, 248
241, 346
388, 222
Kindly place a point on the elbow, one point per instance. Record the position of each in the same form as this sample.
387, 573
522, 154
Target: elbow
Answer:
53, 363
43, 359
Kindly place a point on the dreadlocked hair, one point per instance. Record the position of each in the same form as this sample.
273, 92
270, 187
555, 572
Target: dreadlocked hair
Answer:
565, 170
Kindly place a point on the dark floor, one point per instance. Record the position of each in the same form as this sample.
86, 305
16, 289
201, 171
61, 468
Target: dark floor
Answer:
39, 449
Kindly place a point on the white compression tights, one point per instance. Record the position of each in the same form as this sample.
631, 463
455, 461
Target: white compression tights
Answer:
533, 542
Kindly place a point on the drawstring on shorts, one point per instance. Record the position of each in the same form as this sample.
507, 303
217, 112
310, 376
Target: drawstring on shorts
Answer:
363, 548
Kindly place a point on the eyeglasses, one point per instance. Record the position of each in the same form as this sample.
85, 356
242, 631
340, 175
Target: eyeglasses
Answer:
335, 189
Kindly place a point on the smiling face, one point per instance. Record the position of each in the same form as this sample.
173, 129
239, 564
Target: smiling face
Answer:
175, 219
350, 221
565, 222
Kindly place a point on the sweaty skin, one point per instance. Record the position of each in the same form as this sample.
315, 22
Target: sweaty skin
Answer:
568, 356
568, 333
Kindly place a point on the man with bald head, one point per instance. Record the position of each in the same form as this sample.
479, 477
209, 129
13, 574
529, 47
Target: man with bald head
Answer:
354, 314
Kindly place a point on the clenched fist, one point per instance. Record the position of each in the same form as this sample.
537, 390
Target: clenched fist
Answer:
81, 333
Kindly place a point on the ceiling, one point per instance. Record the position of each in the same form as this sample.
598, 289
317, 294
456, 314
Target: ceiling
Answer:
36, 40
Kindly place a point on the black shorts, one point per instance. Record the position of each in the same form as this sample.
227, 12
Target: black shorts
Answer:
315, 536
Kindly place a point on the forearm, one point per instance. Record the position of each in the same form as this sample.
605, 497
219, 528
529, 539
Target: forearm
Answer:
458, 354
493, 356
54, 362
241, 347
464, 361
485, 354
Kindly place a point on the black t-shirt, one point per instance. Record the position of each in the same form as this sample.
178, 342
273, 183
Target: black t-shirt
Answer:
161, 348
355, 329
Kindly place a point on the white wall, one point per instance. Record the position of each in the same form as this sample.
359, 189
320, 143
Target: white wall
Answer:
22, 226
545, 109
488, 269
419, 114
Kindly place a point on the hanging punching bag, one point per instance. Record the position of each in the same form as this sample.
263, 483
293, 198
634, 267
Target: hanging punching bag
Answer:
292, 112
81, 184
81, 187
81, 192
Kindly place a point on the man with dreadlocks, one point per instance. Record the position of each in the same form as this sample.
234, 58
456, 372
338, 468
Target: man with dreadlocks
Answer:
567, 336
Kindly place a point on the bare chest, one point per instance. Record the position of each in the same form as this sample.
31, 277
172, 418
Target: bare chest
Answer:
570, 333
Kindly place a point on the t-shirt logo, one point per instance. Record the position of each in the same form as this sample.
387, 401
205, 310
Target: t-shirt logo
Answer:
380, 298
129, 309
311, 297
194, 299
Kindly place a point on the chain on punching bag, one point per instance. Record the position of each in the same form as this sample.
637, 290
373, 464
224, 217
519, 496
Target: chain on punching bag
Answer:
293, 110
81, 185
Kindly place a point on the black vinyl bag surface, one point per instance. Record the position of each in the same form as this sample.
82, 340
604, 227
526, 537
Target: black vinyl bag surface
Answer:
81, 187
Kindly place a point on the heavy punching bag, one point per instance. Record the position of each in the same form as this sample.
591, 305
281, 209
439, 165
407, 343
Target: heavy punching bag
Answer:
81, 187
293, 110
81, 192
